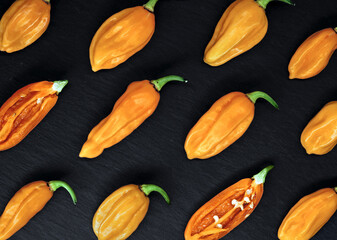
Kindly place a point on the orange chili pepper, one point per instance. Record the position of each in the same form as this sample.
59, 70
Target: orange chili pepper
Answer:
137, 104
319, 136
121, 213
224, 123
227, 210
23, 23
243, 25
25, 109
313, 55
26, 203
309, 215
121, 36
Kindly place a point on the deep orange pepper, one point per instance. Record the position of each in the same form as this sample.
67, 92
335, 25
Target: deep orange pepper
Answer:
313, 55
227, 210
121, 213
309, 215
137, 104
26, 203
243, 25
224, 123
23, 23
121, 36
25, 109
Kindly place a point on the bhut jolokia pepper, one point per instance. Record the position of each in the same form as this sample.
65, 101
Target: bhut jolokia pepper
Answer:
313, 55
23, 23
26, 203
227, 210
243, 25
319, 136
25, 109
309, 215
121, 213
224, 123
121, 36
137, 104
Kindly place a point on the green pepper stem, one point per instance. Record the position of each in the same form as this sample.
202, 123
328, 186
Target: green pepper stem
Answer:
257, 94
59, 85
264, 3
148, 188
150, 5
260, 178
47, 1
335, 29
335, 188
159, 83
54, 185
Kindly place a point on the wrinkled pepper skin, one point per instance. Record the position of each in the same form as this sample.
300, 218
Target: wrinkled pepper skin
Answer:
25, 109
309, 215
243, 25
121, 36
227, 210
224, 123
139, 101
26, 203
121, 213
319, 136
23, 23
313, 55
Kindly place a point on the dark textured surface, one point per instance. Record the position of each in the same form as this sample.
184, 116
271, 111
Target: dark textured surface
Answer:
154, 153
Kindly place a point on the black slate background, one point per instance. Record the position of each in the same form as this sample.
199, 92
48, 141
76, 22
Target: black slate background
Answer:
154, 153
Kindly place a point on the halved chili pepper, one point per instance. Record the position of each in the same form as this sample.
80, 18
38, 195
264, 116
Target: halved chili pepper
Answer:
121, 213
137, 104
25, 109
26, 203
224, 123
227, 210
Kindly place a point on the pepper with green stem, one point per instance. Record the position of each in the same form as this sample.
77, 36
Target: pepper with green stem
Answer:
26, 203
137, 104
223, 124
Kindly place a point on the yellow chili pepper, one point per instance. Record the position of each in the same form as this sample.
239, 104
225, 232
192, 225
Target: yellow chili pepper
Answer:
137, 104
23, 23
243, 25
224, 123
319, 136
313, 55
309, 215
26, 203
121, 213
121, 36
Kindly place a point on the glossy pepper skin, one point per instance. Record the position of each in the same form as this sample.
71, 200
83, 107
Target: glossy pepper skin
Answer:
224, 123
121, 213
309, 215
319, 136
23, 23
25, 109
26, 203
121, 36
313, 55
227, 210
243, 25
137, 104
